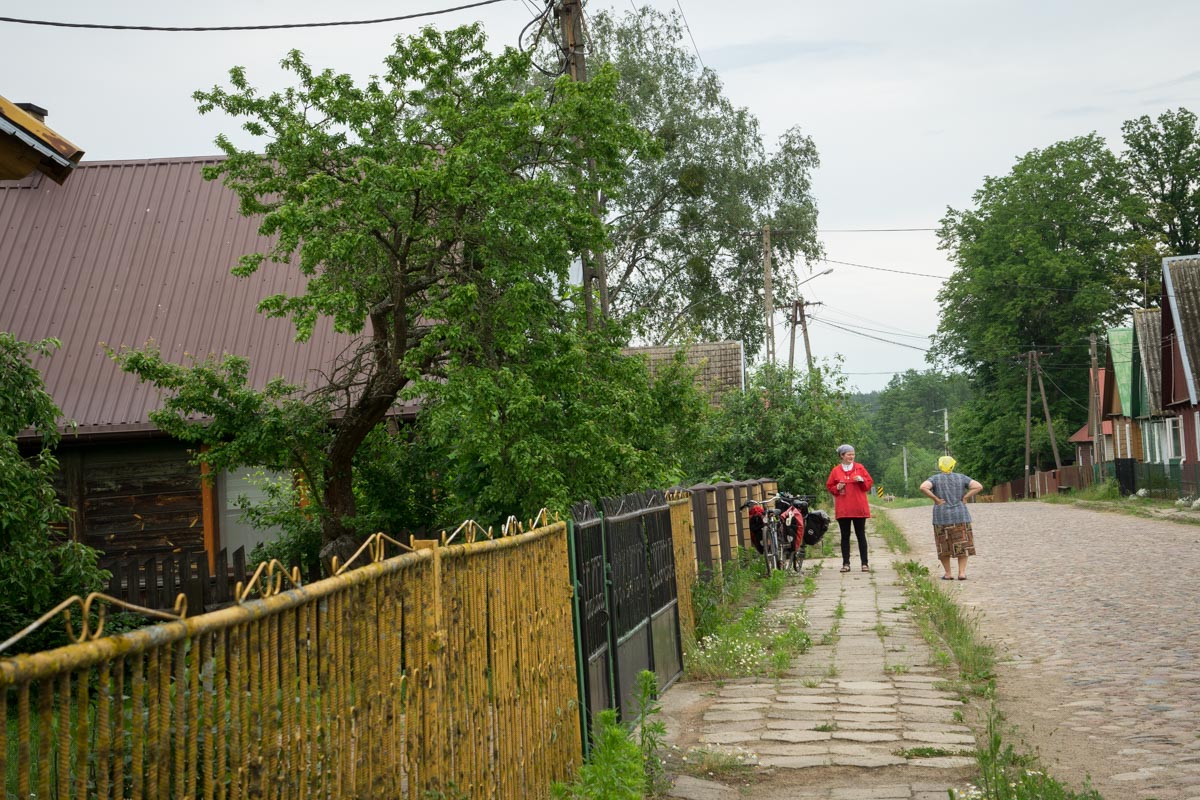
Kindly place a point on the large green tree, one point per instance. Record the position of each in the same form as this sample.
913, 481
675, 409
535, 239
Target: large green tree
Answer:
38, 567
1041, 261
1162, 162
409, 205
685, 252
785, 426
909, 413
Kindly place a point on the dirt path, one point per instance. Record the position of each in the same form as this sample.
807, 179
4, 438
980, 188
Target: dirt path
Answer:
1095, 618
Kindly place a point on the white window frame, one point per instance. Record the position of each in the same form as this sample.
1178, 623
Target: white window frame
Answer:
1174, 438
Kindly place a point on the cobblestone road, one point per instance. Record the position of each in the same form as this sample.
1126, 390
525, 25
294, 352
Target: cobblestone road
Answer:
1097, 618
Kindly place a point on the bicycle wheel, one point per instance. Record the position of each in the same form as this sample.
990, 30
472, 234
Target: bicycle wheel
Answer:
771, 548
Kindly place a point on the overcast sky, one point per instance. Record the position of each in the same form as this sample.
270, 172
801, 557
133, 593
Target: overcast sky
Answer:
910, 105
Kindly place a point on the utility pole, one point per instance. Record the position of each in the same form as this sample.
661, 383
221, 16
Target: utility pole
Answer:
804, 330
1095, 411
1046, 408
1028, 413
768, 299
945, 429
595, 265
800, 317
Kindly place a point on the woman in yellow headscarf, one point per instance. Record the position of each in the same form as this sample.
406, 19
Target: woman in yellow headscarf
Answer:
952, 532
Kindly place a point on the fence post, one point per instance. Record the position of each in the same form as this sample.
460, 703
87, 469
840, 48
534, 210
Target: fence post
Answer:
580, 656
435, 741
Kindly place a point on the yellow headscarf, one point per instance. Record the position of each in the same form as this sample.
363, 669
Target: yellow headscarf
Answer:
946, 463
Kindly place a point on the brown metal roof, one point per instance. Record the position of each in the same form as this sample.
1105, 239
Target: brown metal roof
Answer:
132, 251
720, 365
1147, 327
1181, 289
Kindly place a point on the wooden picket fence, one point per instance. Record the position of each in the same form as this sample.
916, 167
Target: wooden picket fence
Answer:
447, 669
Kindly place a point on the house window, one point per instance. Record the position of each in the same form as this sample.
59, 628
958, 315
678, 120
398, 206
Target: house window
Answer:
1174, 438
1151, 449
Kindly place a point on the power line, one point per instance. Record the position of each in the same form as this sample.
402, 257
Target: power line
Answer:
885, 269
873, 230
209, 29
869, 336
890, 333
688, 28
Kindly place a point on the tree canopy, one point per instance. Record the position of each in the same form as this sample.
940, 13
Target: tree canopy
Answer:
685, 252
37, 568
410, 205
786, 426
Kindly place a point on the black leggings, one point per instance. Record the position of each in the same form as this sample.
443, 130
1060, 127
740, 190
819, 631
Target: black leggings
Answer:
860, 530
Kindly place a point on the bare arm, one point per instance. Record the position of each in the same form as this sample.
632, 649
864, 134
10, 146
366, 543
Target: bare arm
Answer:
927, 490
974, 488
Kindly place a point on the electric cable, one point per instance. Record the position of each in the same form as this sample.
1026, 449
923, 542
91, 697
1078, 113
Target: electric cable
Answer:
225, 28
688, 28
869, 336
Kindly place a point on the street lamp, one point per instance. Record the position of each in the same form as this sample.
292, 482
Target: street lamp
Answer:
798, 314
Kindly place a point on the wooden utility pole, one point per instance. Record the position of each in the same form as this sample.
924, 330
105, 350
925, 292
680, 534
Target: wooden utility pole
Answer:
1096, 411
768, 296
595, 265
1028, 413
1046, 408
804, 329
799, 317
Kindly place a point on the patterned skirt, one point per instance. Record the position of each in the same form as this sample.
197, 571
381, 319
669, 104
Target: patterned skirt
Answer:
954, 540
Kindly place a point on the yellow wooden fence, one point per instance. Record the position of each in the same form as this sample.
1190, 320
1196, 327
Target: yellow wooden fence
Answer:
449, 668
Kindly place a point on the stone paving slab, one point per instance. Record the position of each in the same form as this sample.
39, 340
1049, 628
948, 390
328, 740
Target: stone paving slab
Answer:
850, 706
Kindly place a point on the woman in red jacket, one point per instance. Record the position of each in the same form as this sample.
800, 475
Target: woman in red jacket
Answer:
850, 483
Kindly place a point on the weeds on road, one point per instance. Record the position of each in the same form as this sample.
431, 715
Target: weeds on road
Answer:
945, 625
892, 535
1004, 773
626, 762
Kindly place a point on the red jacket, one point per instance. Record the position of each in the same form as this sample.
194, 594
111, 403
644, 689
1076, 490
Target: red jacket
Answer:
854, 501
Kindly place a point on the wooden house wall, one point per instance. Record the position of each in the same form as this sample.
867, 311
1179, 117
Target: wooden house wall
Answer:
1127, 438
142, 498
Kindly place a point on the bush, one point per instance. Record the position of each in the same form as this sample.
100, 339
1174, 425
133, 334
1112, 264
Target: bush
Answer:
37, 569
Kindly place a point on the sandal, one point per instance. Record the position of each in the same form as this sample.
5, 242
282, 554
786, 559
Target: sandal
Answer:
947, 577
866, 568
845, 568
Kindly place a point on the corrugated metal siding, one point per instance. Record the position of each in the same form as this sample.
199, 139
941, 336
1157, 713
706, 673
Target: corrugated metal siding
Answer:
1147, 327
132, 251
1181, 282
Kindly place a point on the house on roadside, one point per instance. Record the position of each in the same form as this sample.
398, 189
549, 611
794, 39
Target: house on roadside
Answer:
126, 253
1119, 401
1180, 359
1084, 439
1153, 425
27, 145
720, 366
